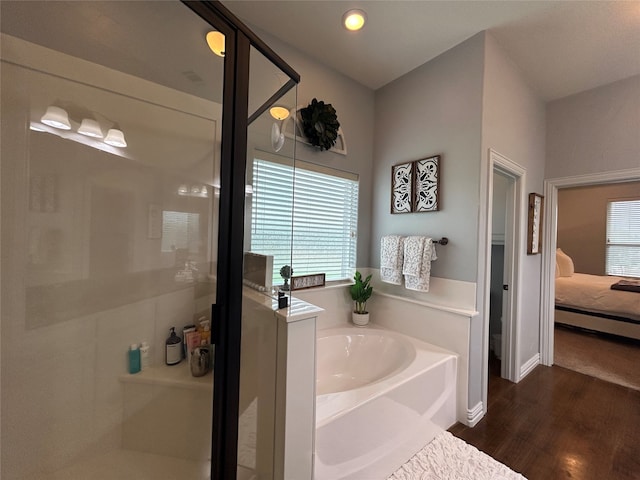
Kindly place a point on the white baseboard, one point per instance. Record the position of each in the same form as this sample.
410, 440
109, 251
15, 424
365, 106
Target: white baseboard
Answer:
475, 414
530, 364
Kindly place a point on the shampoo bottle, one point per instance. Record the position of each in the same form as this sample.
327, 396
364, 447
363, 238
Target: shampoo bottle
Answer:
173, 348
145, 358
205, 335
134, 358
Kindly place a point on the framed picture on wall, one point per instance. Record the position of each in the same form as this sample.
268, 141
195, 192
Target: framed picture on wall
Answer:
427, 184
534, 228
402, 188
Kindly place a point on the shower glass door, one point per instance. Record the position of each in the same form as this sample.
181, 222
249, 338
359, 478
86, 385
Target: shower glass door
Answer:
110, 161
264, 257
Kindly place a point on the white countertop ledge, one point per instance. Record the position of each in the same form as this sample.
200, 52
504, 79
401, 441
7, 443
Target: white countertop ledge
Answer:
296, 311
458, 311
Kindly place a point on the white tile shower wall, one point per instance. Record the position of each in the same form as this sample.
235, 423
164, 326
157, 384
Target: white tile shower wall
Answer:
174, 309
60, 382
167, 420
48, 390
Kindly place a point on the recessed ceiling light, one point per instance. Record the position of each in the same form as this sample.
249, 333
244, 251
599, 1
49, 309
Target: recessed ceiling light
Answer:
354, 20
215, 40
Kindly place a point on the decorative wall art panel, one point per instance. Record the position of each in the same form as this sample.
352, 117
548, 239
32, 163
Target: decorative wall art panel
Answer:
427, 183
534, 227
401, 188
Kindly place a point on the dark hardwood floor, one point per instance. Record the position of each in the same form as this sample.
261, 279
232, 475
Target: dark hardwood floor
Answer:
559, 424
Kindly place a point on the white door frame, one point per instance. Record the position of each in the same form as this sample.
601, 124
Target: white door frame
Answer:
514, 238
547, 295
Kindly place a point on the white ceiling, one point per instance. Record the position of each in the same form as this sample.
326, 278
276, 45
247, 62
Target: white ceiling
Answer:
563, 47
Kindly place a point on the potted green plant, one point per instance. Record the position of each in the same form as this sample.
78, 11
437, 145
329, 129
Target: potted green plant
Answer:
285, 272
361, 291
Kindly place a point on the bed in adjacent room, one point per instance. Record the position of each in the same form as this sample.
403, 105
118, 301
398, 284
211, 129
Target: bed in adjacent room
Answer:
588, 301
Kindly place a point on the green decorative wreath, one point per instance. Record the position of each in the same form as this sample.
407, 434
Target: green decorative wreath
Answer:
320, 124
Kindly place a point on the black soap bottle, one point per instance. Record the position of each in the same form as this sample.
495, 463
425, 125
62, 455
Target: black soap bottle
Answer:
173, 348
283, 302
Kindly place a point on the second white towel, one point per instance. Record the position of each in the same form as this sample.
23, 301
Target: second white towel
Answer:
421, 266
413, 252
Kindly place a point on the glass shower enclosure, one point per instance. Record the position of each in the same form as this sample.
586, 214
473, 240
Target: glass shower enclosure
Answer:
122, 157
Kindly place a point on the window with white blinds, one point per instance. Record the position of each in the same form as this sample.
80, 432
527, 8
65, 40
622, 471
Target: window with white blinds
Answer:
180, 230
305, 217
623, 238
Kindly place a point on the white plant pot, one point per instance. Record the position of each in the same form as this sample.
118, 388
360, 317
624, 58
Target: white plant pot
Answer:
360, 319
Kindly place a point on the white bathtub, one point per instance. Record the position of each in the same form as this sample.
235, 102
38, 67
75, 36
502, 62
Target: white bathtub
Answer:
380, 397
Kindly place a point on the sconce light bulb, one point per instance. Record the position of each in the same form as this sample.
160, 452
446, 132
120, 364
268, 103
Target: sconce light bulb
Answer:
215, 40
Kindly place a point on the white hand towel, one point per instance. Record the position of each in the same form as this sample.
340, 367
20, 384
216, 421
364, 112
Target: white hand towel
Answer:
413, 252
390, 251
391, 258
420, 282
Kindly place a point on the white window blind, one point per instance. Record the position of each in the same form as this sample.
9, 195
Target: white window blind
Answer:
305, 217
623, 238
180, 230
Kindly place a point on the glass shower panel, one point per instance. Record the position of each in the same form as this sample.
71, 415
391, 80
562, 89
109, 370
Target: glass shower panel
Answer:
111, 122
265, 80
267, 250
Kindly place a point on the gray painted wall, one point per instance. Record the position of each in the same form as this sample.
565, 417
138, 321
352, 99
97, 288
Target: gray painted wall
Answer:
435, 109
582, 222
467, 100
514, 125
354, 104
594, 131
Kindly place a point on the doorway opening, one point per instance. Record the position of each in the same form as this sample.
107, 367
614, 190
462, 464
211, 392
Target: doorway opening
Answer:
502, 281
547, 309
501, 216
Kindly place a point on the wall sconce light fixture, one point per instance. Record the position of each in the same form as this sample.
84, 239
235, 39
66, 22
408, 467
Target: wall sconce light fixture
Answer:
277, 135
56, 117
279, 113
185, 190
115, 138
90, 128
215, 40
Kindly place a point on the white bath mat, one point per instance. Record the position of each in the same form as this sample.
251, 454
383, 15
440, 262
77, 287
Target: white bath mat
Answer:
449, 458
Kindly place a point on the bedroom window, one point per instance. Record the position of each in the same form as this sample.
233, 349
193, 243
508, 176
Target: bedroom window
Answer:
623, 238
325, 218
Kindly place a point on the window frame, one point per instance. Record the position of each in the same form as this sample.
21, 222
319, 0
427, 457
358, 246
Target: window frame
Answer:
620, 240
301, 186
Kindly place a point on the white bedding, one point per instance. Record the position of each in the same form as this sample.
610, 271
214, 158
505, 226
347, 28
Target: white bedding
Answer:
593, 293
